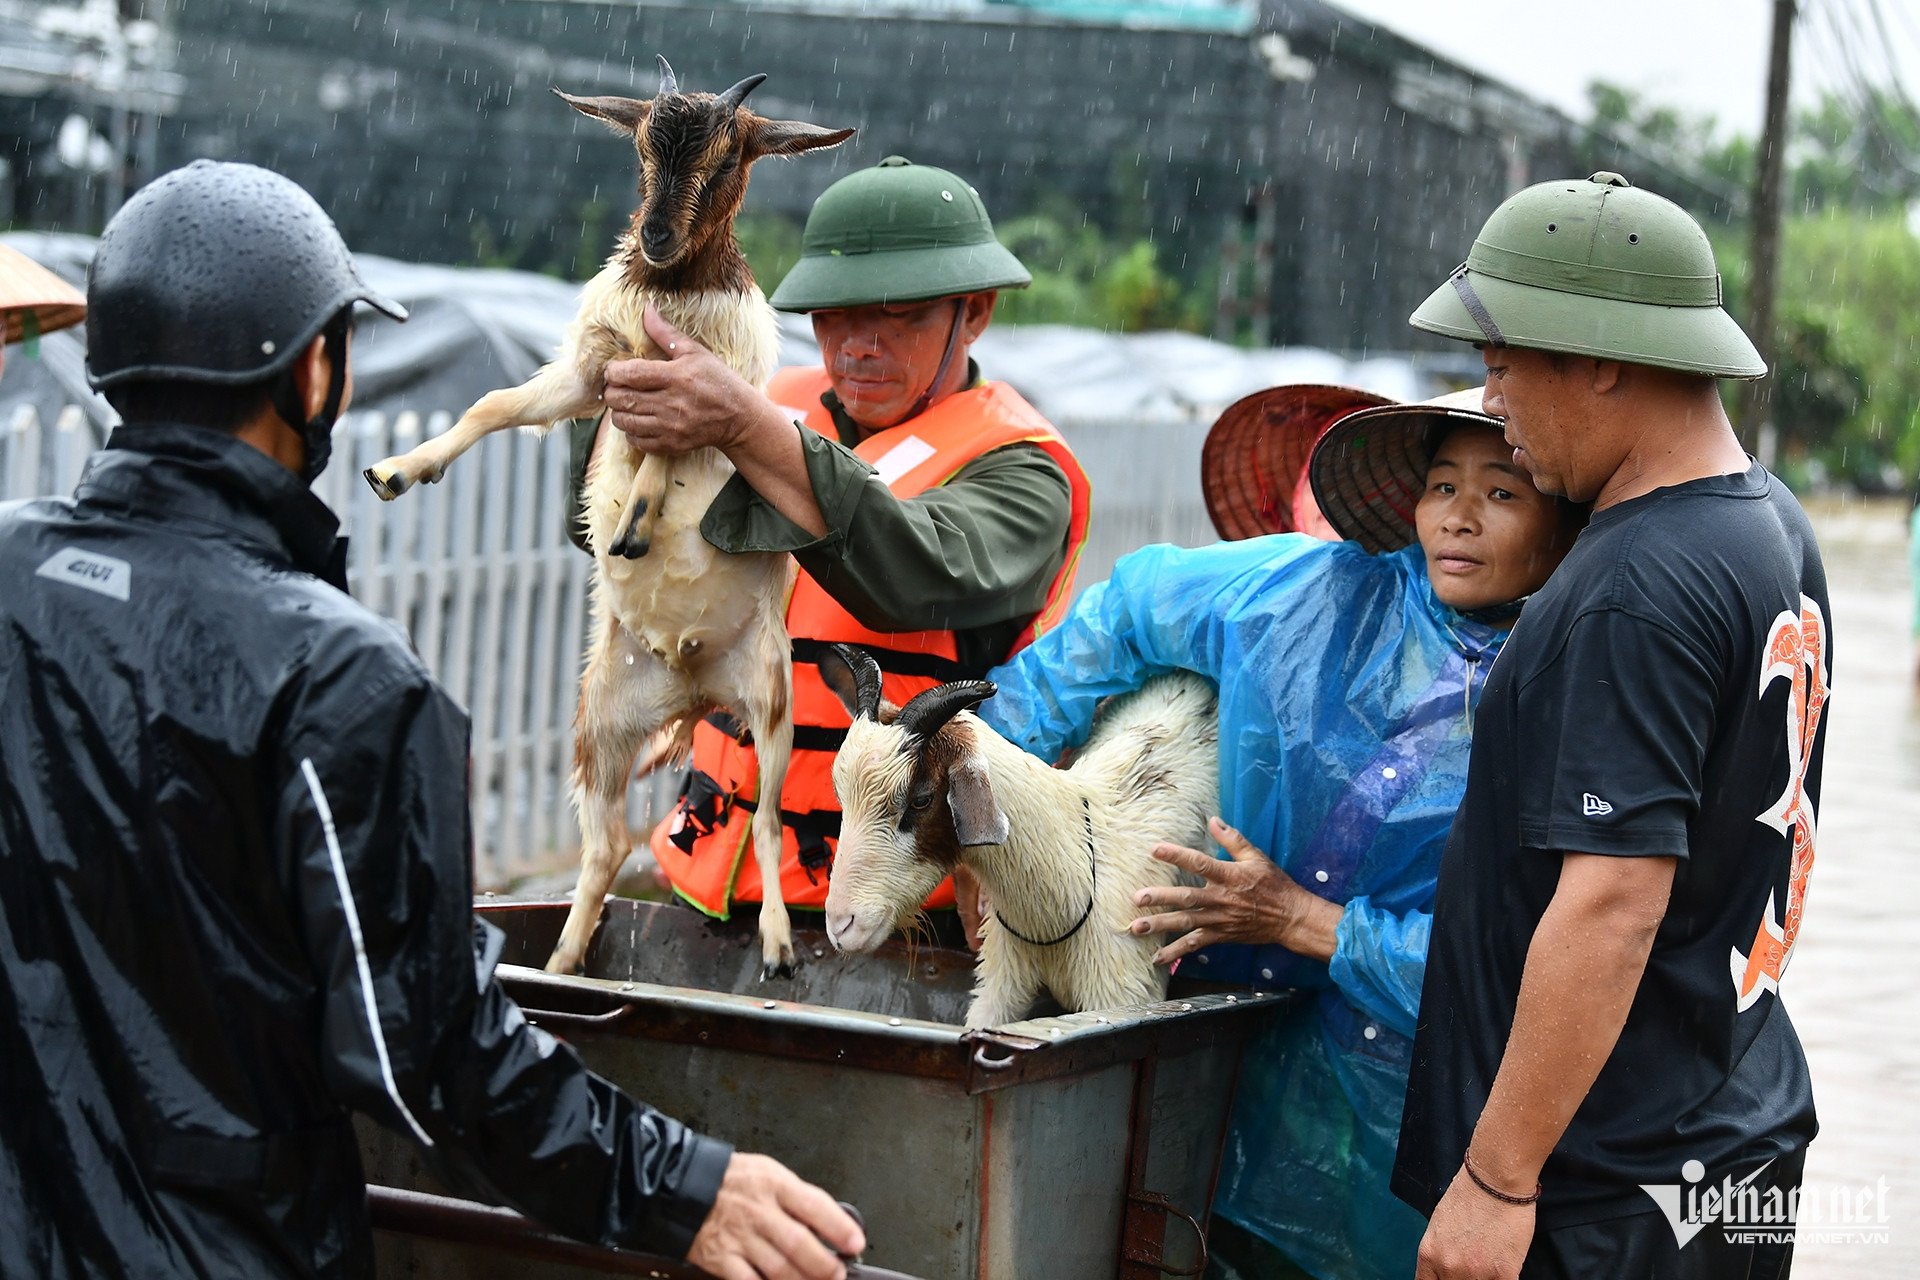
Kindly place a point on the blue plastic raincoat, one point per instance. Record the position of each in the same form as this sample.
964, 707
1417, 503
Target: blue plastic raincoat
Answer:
1345, 696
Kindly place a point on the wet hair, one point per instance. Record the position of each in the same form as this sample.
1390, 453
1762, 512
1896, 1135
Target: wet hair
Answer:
156, 401
1441, 430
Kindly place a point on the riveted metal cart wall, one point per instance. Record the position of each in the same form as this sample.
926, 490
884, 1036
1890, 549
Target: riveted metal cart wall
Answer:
1073, 1147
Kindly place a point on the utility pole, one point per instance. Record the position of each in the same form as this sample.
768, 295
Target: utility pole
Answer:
1757, 431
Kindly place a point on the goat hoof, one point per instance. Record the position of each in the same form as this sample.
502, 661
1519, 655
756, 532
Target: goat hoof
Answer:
631, 548
387, 480
782, 969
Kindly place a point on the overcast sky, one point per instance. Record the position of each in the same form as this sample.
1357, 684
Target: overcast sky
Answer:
1704, 56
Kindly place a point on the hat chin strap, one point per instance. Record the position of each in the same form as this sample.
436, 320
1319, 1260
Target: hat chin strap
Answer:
921, 405
1470, 299
316, 433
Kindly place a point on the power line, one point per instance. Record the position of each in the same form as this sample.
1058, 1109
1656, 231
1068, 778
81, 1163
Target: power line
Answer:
1894, 79
1874, 97
1854, 76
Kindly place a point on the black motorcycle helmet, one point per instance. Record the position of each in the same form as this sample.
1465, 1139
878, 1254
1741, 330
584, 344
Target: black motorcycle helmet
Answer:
222, 274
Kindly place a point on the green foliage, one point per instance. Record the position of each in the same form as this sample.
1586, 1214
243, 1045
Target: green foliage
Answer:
1692, 139
1084, 277
1818, 382
1081, 275
1859, 273
1864, 155
597, 230
1846, 386
570, 248
770, 243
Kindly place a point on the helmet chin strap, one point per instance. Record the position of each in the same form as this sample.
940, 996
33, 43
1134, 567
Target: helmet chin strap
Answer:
946, 362
316, 433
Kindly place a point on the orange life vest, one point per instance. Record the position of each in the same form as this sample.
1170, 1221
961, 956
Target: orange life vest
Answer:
704, 843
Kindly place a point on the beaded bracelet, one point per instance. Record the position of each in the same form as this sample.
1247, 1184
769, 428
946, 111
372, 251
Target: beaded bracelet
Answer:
1466, 1160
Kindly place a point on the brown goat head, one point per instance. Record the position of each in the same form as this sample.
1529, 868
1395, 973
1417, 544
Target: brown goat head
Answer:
914, 794
695, 150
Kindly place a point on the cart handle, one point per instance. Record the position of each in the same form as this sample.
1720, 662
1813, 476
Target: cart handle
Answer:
998, 1050
1155, 1200
463, 1222
580, 1021
986, 1063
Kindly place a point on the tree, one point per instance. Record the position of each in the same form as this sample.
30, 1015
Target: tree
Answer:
1847, 375
1863, 155
1693, 139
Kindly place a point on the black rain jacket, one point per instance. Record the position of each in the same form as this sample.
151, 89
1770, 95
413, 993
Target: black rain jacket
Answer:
236, 904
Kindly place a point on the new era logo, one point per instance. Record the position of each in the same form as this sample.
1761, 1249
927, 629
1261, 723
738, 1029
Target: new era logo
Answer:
1593, 806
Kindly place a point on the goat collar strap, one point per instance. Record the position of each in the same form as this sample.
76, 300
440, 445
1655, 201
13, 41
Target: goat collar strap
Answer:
1093, 880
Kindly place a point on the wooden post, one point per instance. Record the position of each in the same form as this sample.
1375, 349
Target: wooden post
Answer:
1756, 398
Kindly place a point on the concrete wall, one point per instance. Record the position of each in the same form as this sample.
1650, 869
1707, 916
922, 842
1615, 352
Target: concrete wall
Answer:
427, 128
426, 125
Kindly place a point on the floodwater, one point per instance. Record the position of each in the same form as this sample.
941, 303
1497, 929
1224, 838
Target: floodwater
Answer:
1851, 987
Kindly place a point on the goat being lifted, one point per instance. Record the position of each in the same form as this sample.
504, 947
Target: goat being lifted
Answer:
679, 628
1061, 852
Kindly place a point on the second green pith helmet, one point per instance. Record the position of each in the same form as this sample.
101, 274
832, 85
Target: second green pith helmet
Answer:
898, 232
1594, 268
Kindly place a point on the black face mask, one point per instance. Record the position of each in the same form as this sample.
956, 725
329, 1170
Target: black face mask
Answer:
316, 433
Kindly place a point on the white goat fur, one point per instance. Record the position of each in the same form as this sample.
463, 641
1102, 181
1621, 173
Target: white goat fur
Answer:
1150, 773
678, 631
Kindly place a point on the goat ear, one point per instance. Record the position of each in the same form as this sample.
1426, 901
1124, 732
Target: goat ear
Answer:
623, 115
854, 677
977, 818
791, 137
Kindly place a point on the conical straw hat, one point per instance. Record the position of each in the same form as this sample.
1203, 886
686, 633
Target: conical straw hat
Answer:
1370, 468
26, 286
1253, 465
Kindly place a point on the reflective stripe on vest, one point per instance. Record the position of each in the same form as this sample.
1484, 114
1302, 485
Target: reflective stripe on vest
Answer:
703, 846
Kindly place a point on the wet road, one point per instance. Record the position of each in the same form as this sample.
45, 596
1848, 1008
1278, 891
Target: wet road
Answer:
1853, 985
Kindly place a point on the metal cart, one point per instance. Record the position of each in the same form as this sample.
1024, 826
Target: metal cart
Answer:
1069, 1147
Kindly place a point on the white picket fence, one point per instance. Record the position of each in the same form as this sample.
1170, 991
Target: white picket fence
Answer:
479, 572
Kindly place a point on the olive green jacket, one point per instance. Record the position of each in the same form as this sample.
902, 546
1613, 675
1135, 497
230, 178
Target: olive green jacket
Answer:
975, 556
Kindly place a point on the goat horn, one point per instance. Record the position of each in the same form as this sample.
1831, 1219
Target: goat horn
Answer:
866, 678
738, 94
927, 711
668, 82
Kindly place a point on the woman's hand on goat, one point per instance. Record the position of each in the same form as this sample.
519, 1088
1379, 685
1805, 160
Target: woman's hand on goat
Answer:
766, 1222
1246, 898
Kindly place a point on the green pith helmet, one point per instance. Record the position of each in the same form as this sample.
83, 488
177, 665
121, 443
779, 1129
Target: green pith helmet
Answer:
898, 232
1594, 268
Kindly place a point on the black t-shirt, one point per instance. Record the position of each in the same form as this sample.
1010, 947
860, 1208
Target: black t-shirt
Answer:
1662, 695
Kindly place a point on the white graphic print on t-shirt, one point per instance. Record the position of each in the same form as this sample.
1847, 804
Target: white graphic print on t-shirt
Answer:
1796, 651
